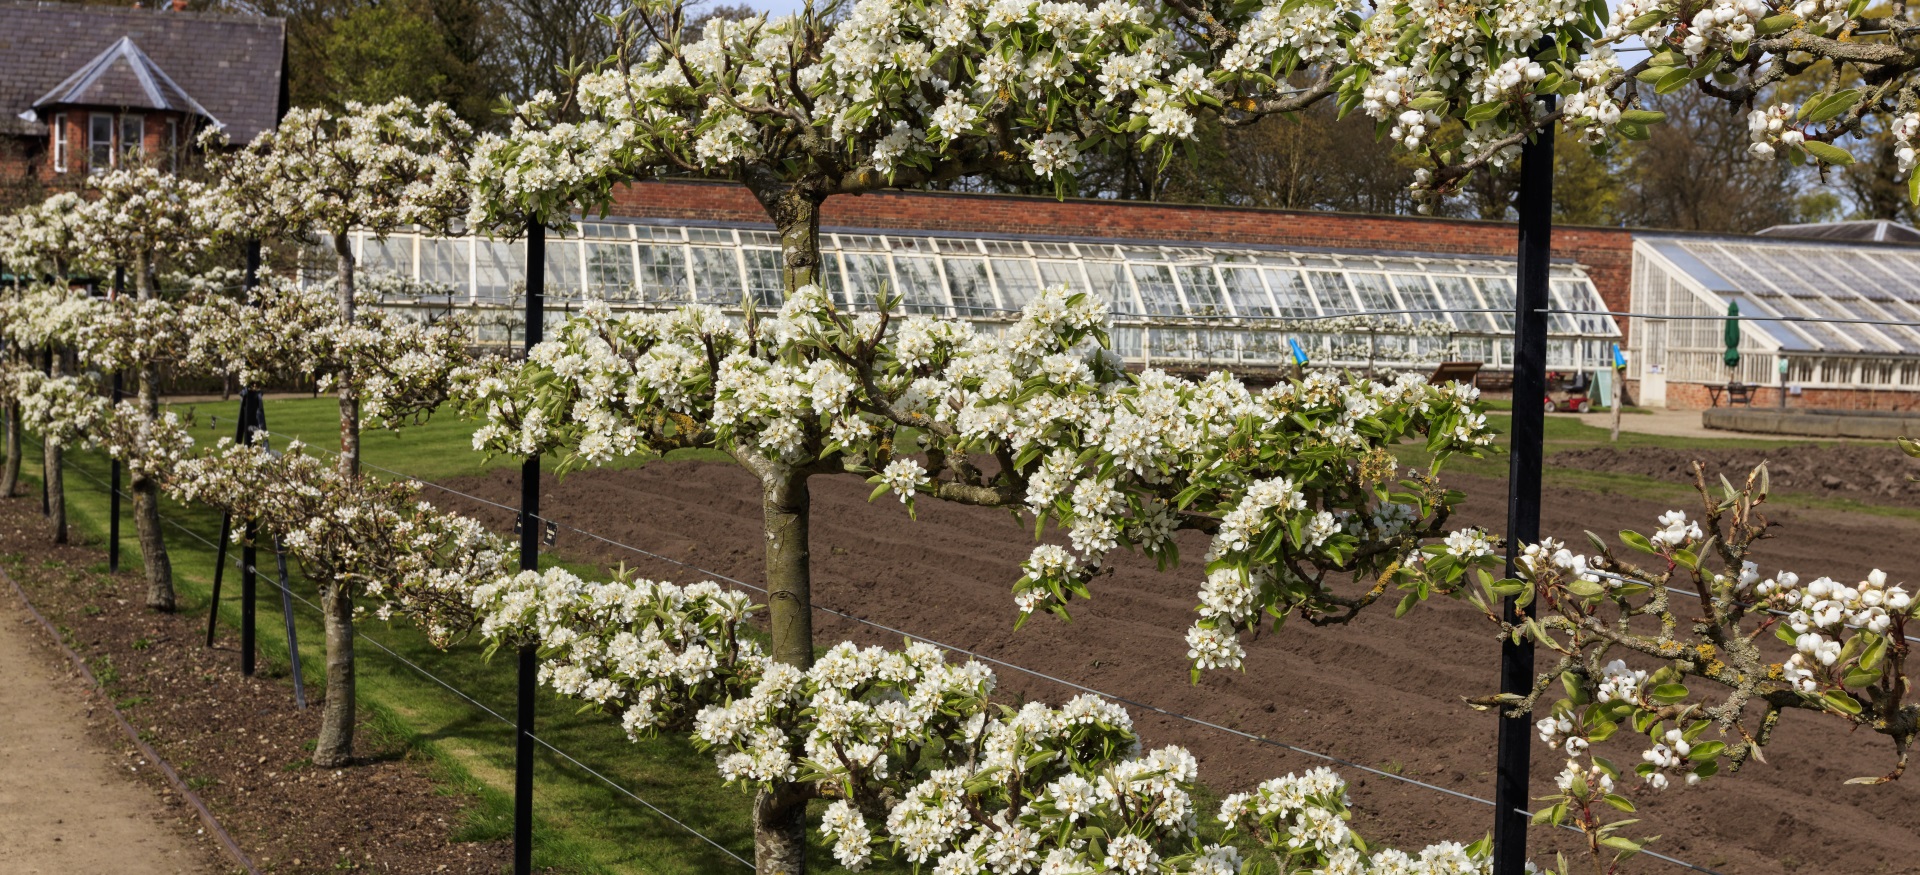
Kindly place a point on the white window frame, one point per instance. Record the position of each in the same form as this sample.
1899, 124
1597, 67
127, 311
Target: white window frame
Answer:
95, 141
61, 142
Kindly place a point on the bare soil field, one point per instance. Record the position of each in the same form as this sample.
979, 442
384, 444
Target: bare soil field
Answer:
1382, 692
1870, 473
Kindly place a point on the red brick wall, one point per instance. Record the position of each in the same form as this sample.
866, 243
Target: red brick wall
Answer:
1607, 253
1694, 396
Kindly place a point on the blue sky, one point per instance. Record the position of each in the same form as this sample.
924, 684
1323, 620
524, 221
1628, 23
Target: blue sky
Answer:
777, 7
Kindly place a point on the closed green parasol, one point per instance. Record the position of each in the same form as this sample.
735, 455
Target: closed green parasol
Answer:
1733, 334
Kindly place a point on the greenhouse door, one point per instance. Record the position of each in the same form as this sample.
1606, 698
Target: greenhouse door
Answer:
1653, 365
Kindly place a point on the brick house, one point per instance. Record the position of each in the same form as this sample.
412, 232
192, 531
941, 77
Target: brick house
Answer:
87, 88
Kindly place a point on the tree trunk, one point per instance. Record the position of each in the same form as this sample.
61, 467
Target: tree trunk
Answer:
10, 471
343, 382
54, 463
146, 492
789, 578
779, 835
335, 746
780, 815
56, 491
779, 819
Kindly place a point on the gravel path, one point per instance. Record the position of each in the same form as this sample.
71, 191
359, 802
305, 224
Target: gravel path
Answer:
67, 804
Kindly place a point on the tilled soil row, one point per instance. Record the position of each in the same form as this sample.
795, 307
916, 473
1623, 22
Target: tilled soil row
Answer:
240, 742
1380, 691
1870, 473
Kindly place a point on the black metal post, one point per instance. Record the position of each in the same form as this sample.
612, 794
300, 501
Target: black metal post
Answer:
226, 536
1510, 792
529, 561
113, 497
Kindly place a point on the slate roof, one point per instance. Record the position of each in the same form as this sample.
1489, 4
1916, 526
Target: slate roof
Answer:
228, 66
123, 76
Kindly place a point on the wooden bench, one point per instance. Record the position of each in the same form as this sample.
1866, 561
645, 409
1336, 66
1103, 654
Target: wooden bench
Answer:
1454, 372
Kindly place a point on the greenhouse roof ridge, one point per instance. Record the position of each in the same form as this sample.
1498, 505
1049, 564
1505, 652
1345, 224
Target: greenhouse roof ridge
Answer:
1856, 231
1357, 252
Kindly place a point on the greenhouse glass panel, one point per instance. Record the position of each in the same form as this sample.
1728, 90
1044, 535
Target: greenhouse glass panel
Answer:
1290, 295
1331, 291
1418, 295
1263, 347
967, 283
716, 276
829, 276
1562, 295
764, 277
500, 268
1062, 273
663, 275
1017, 281
1374, 294
1899, 276
867, 280
1157, 291
563, 269
1204, 297
1456, 293
610, 271
393, 255
920, 284
444, 262
1248, 294
1110, 284
1497, 291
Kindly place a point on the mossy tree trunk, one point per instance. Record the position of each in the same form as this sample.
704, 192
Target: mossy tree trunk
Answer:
780, 814
335, 745
54, 461
10, 470
146, 492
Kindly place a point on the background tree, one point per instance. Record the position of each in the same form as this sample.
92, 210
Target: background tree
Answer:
370, 168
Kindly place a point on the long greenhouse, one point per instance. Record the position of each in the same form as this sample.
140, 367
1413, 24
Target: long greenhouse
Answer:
1785, 289
1174, 304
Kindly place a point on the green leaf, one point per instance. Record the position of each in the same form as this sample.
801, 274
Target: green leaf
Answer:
1828, 153
1706, 751
1622, 844
1667, 694
1817, 111
1913, 188
1674, 79
1621, 802
1637, 541
1643, 116
1840, 701
1484, 112
1653, 74
1647, 20
1406, 603
1777, 24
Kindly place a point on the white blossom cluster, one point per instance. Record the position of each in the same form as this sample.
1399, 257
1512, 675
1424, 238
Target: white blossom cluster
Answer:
375, 167
376, 538
1099, 453
1840, 636
918, 763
